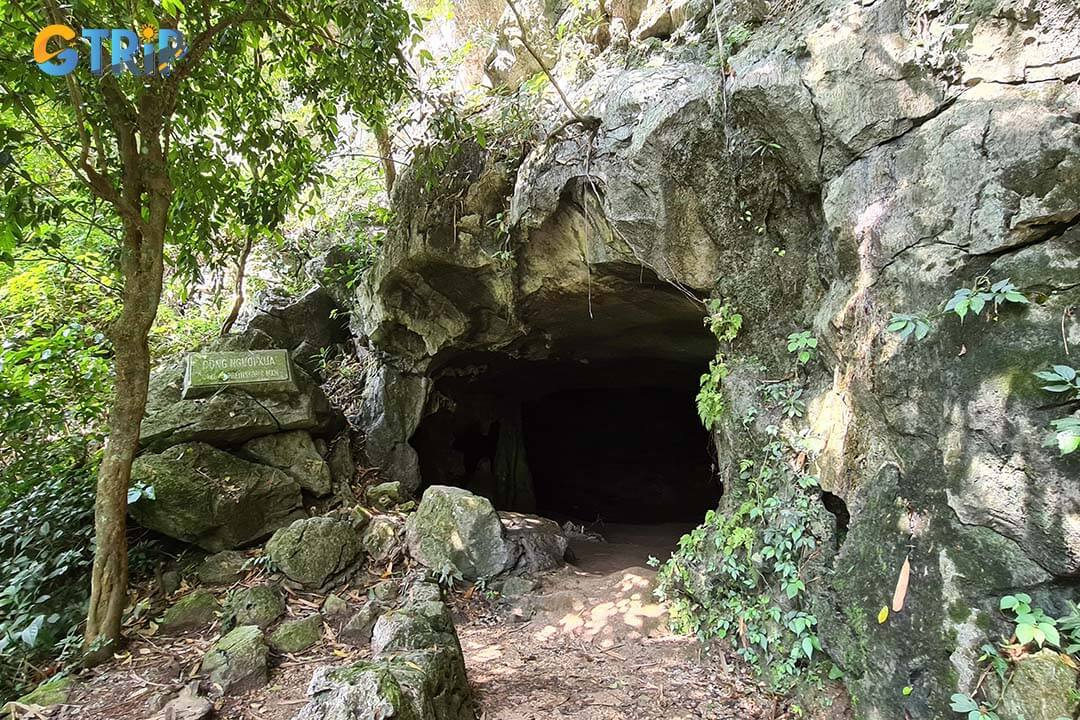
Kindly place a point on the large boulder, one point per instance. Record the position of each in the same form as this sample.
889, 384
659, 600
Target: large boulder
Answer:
457, 533
205, 496
231, 416
315, 550
535, 543
294, 453
307, 325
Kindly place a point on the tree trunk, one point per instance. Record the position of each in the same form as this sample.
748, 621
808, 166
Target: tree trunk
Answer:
238, 297
386, 155
142, 269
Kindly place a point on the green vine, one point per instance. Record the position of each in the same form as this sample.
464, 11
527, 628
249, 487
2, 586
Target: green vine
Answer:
724, 323
742, 576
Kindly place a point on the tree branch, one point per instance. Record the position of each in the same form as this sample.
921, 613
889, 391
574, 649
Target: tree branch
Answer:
589, 121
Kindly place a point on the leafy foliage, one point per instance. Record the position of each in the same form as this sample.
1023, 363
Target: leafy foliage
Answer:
964, 301
740, 576
803, 345
1065, 432
1032, 624
43, 567
724, 323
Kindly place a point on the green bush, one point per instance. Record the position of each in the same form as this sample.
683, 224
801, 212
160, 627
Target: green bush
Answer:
46, 550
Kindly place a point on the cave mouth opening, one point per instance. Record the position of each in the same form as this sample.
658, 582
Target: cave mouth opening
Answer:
612, 445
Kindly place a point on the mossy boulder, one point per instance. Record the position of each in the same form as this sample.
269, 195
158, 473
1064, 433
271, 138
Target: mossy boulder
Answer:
54, 691
454, 531
223, 568
194, 611
417, 672
212, 499
297, 635
260, 606
237, 662
293, 453
314, 550
1043, 687
233, 415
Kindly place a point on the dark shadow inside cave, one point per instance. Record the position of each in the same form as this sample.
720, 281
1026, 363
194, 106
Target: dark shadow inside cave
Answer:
613, 445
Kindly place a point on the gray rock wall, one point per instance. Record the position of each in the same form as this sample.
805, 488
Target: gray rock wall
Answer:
847, 161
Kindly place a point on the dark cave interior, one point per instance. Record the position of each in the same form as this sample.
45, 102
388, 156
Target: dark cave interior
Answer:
611, 441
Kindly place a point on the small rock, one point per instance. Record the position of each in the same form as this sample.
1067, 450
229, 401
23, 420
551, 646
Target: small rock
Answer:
314, 550
237, 662
535, 543
385, 496
516, 586
170, 582
223, 568
385, 591
297, 635
260, 606
54, 691
191, 612
412, 627
187, 706
334, 607
382, 538
358, 629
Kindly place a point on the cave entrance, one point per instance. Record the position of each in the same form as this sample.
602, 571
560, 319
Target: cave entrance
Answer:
613, 446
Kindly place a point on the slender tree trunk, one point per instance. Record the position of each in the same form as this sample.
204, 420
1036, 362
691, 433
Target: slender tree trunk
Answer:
142, 269
386, 155
238, 297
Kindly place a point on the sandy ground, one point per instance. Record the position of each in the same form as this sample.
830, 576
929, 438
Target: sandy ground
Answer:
591, 644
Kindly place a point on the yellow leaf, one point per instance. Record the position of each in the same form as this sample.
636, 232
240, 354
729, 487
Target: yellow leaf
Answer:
883, 615
900, 594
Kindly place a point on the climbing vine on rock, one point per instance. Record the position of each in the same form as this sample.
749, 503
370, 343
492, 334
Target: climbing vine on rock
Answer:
742, 576
724, 323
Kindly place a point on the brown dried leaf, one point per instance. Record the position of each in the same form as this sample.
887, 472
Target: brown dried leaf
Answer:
902, 586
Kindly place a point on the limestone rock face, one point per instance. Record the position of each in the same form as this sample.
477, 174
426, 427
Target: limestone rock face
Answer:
848, 161
295, 454
314, 550
237, 662
455, 531
305, 326
213, 499
231, 416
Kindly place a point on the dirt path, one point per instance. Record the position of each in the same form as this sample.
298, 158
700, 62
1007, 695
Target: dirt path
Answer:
591, 644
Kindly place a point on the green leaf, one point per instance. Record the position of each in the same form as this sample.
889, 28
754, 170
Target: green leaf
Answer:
963, 703
1025, 633
1066, 372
